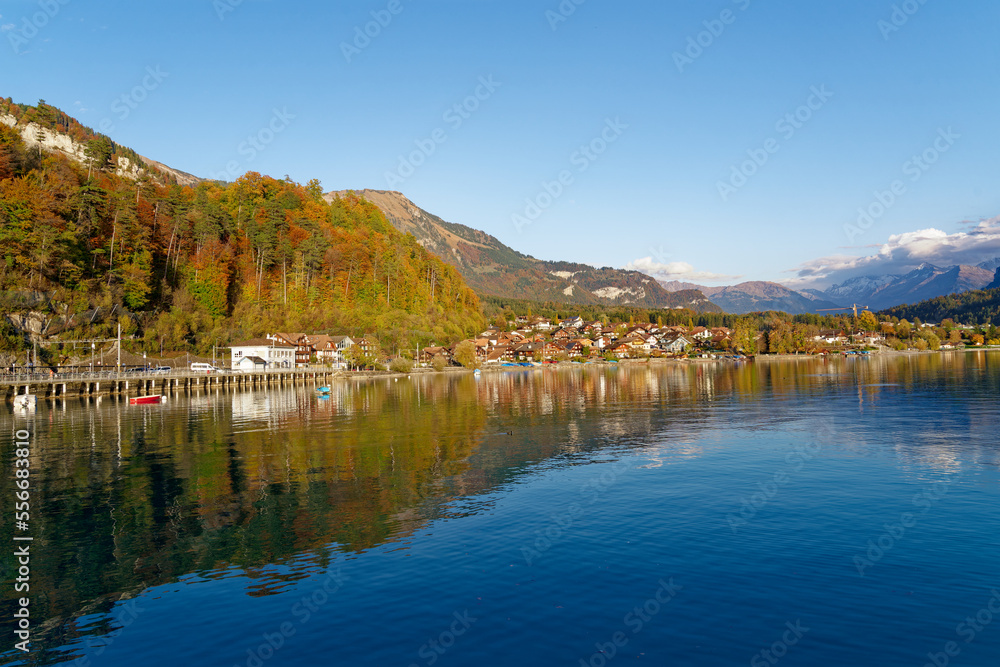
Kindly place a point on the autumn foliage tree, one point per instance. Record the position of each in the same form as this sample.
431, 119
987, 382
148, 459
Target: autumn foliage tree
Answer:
214, 260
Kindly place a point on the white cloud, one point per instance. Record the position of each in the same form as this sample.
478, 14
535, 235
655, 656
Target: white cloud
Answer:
7, 26
674, 271
902, 253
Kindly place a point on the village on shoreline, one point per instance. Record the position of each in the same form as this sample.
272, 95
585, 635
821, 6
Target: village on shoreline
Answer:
541, 340
527, 340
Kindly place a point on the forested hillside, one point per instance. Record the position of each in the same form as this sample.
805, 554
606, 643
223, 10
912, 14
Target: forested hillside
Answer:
216, 261
973, 307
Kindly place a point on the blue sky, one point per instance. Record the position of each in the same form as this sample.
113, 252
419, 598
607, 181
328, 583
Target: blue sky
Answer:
642, 109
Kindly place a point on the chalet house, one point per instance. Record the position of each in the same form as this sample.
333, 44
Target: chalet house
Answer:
510, 338
721, 341
331, 349
604, 342
500, 354
621, 348
528, 351
635, 342
368, 345
675, 343
700, 333
553, 348
303, 346
274, 353
831, 337
574, 322
542, 323
428, 354
487, 342
866, 338
566, 334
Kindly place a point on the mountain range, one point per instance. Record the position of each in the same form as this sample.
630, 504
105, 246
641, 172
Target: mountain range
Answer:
493, 268
924, 282
756, 295
875, 292
490, 267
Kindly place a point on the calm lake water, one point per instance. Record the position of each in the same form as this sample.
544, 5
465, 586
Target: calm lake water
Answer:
796, 513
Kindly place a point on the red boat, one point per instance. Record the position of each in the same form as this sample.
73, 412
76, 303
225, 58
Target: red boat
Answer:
142, 400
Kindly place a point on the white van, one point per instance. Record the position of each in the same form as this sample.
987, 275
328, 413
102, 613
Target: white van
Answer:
199, 367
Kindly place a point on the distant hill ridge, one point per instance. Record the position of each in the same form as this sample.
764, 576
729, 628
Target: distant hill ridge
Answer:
492, 268
756, 295
877, 292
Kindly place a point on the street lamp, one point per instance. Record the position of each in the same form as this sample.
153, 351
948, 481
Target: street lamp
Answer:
93, 348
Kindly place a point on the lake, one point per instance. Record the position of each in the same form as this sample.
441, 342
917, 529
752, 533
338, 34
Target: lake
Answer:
801, 512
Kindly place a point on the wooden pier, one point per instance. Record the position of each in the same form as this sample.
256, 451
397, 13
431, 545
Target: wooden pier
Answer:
70, 385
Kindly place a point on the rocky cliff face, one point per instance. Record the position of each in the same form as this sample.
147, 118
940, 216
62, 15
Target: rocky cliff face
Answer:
49, 140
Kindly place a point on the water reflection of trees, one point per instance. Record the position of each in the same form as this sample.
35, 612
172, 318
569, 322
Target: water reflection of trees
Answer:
272, 484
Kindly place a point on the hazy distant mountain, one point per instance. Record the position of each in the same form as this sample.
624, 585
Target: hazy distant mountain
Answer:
925, 282
876, 292
677, 286
757, 295
490, 267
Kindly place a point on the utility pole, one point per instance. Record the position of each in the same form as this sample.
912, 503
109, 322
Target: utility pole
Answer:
119, 347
